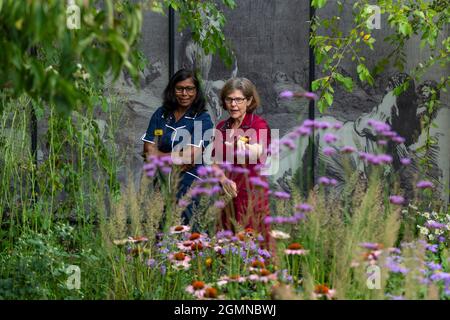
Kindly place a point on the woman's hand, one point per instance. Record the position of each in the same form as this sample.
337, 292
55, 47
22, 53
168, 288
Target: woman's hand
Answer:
229, 187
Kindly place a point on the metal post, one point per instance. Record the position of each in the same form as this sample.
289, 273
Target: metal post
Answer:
311, 109
171, 42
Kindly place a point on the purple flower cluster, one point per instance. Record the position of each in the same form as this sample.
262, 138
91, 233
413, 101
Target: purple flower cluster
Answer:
424, 184
155, 163
375, 159
396, 199
327, 181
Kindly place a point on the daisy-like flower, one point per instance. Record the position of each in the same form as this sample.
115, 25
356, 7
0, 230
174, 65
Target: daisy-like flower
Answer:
396, 199
211, 293
180, 260
233, 278
295, 249
197, 289
278, 234
179, 229
256, 265
195, 236
321, 291
263, 275
185, 245
424, 184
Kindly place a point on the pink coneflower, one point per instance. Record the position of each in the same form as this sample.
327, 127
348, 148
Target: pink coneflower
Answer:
329, 138
180, 260
263, 275
179, 229
328, 151
382, 142
197, 288
309, 123
256, 265
405, 161
195, 236
233, 278
295, 249
321, 291
396, 199
185, 245
286, 94
424, 184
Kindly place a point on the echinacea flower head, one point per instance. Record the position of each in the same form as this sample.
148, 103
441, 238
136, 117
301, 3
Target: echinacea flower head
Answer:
179, 229
396, 199
180, 260
211, 293
423, 184
321, 291
197, 288
295, 249
282, 195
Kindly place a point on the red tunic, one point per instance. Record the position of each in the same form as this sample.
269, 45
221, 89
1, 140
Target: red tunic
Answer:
251, 205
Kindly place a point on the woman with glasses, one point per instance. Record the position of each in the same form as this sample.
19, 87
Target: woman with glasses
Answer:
180, 122
243, 140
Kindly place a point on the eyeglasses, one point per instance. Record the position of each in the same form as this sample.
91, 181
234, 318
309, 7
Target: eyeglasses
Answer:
189, 90
237, 100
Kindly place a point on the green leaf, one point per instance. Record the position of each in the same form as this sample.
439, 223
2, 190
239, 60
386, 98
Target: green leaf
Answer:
318, 3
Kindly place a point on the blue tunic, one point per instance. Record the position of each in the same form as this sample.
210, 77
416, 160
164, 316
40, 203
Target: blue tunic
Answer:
188, 130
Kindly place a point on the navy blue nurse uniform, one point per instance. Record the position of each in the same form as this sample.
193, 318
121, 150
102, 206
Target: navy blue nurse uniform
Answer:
172, 136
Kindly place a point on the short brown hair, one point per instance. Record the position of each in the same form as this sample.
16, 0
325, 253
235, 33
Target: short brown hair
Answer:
247, 88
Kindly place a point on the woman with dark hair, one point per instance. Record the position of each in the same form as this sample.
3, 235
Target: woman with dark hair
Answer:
244, 140
180, 122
